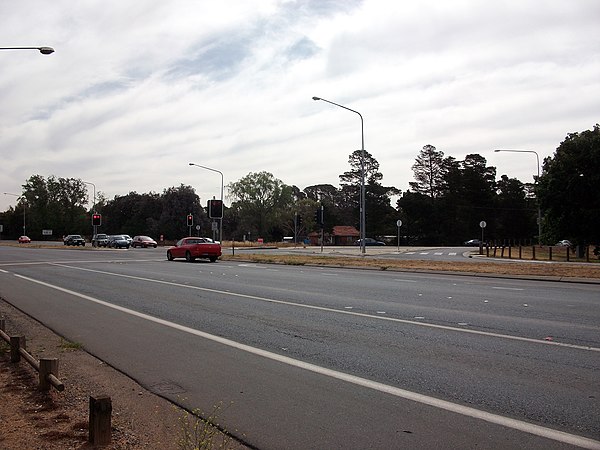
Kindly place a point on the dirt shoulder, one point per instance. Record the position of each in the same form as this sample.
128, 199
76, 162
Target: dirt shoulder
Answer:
30, 419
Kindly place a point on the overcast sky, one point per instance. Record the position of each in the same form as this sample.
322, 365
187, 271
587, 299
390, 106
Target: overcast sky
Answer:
137, 90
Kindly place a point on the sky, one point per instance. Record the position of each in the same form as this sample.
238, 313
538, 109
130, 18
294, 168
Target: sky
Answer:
136, 90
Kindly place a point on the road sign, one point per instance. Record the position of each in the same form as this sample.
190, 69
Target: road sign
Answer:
198, 227
47, 232
482, 224
398, 223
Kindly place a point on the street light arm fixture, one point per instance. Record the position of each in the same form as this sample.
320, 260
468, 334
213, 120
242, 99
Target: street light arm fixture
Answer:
220, 173
523, 151
42, 50
363, 227
537, 157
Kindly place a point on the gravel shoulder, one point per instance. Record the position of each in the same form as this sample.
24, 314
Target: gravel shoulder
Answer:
30, 419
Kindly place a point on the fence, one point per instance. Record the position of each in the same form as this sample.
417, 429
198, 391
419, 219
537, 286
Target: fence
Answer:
100, 408
534, 252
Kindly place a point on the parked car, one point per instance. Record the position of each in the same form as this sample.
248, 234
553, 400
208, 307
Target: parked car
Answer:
191, 248
100, 240
370, 241
24, 240
564, 243
473, 243
128, 238
118, 241
74, 239
143, 241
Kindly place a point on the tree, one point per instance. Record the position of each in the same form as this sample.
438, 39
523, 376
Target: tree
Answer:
260, 202
515, 214
56, 204
568, 189
429, 171
176, 204
378, 210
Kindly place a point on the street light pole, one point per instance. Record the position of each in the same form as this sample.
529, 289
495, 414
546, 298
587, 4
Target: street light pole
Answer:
24, 202
222, 205
362, 174
537, 157
94, 227
42, 50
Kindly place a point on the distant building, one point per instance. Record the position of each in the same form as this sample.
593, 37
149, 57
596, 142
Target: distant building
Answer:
340, 235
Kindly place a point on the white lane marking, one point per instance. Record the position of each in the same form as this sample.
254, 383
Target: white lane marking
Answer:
409, 253
496, 419
507, 288
405, 281
339, 311
452, 254
438, 253
424, 253
4, 271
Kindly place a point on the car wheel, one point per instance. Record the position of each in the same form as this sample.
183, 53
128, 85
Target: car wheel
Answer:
213, 258
156, 246
189, 257
169, 256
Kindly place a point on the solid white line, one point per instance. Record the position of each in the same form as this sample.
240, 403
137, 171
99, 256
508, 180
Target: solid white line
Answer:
507, 288
402, 393
323, 308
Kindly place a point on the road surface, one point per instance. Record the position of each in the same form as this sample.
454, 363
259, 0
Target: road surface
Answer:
306, 357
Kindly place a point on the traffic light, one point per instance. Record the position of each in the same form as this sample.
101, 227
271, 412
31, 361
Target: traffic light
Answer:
299, 221
319, 216
190, 220
96, 219
215, 209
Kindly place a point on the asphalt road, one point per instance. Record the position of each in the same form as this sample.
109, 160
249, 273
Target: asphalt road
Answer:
307, 357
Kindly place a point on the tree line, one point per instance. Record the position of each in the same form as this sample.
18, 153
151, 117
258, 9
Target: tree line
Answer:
444, 205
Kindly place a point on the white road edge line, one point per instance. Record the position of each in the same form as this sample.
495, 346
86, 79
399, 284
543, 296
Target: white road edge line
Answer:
536, 430
339, 311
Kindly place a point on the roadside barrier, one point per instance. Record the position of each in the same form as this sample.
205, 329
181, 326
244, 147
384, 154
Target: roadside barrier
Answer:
47, 368
100, 407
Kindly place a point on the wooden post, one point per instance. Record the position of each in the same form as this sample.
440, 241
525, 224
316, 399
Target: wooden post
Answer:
550, 252
48, 366
533, 252
568, 253
16, 342
520, 252
99, 422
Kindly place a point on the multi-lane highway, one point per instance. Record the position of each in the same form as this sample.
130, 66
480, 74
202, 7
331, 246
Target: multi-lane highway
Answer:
332, 358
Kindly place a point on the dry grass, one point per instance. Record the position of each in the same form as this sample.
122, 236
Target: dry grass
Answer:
475, 265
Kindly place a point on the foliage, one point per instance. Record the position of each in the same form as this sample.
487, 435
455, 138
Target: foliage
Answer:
260, 203
197, 433
568, 189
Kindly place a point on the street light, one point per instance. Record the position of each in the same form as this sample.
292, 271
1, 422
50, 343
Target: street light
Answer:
362, 174
222, 206
24, 201
537, 157
94, 227
42, 50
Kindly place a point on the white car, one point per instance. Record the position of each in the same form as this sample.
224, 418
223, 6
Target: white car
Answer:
564, 243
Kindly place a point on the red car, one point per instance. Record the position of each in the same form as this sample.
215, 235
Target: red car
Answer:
143, 241
191, 248
24, 240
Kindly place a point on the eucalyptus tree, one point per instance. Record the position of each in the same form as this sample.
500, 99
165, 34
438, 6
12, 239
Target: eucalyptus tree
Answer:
260, 202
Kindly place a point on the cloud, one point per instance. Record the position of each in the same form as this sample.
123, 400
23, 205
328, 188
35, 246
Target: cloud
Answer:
136, 91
